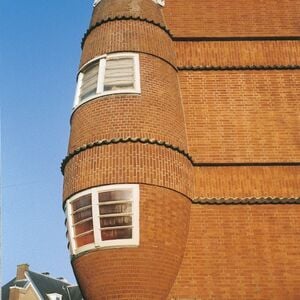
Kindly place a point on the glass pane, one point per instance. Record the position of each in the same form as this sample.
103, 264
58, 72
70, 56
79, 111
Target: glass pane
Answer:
89, 81
83, 227
119, 74
82, 215
114, 195
82, 202
116, 221
114, 234
85, 239
115, 208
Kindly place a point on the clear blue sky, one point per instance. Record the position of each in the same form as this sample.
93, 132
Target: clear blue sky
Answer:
39, 57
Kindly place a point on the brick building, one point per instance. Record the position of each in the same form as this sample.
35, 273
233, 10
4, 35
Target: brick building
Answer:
182, 174
29, 285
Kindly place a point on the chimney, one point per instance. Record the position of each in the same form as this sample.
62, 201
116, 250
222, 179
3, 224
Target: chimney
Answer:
21, 269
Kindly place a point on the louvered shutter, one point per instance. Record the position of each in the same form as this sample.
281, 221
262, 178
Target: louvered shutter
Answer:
89, 81
119, 74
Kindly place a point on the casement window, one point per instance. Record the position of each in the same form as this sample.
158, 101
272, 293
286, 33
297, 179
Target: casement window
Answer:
160, 2
103, 217
108, 74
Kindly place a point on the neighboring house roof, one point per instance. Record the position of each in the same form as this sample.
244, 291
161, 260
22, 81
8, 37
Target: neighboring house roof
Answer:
5, 289
44, 285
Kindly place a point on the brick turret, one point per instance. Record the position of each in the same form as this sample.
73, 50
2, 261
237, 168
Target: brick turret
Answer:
135, 137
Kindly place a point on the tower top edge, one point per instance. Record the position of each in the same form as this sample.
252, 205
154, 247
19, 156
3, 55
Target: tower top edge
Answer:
159, 2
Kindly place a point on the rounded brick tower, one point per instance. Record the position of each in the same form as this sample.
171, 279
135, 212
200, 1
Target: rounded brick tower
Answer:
127, 175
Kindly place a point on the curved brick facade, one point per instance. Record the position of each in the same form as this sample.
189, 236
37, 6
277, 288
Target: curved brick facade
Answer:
110, 9
146, 272
156, 113
163, 170
128, 163
128, 35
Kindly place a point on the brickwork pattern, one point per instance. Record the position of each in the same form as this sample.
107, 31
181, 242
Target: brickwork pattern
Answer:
238, 53
156, 113
218, 18
145, 9
247, 182
241, 252
128, 35
129, 163
146, 272
242, 116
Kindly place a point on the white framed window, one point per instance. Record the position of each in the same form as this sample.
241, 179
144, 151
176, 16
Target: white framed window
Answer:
103, 217
54, 296
160, 2
108, 74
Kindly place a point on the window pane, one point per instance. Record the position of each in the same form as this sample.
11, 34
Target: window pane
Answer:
82, 202
116, 221
114, 234
82, 215
85, 239
119, 74
89, 81
83, 227
114, 195
115, 208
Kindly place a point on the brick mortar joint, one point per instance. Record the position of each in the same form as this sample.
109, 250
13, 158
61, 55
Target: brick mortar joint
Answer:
124, 18
123, 140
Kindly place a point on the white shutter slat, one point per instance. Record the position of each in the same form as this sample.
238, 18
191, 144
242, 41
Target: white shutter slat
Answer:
119, 74
89, 81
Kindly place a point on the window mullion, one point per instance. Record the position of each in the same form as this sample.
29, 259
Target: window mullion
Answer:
77, 93
96, 218
70, 228
101, 74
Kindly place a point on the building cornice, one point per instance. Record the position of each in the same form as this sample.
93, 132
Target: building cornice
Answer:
246, 201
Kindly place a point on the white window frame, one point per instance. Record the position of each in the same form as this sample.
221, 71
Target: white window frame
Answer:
98, 243
160, 2
101, 75
54, 296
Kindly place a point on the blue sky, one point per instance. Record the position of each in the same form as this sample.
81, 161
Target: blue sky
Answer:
39, 57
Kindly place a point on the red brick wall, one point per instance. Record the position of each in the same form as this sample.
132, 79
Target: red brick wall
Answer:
144, 9
247, 182
238, 53
241, 252
156, 113
146, 272
135, 36
128, 163
217, 18
242, 116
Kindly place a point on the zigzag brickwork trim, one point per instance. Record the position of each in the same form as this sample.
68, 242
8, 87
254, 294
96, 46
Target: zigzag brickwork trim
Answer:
235, 38
245, 201
122, 18
167, 145
122, 140
239, 68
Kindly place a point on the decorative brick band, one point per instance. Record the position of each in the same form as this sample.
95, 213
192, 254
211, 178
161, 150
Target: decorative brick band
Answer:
167, 145
122, 140
238, 68
122, 18
235, 38
245, 201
